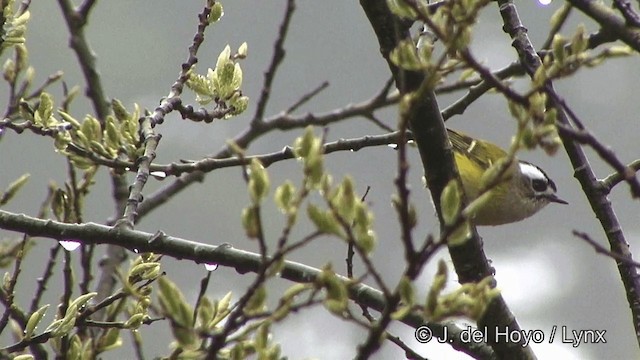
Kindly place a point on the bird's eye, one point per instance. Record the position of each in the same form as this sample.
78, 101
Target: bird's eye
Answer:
539, 185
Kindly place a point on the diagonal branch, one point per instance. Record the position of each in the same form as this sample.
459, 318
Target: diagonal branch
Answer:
600, 205
224, 255
610, 21
427, 124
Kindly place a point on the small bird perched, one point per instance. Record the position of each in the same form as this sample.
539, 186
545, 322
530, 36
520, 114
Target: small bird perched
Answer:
523, 190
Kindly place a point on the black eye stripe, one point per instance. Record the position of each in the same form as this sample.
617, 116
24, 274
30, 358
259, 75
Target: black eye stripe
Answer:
539, 184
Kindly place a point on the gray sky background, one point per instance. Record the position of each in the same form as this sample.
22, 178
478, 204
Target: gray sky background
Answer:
548, 277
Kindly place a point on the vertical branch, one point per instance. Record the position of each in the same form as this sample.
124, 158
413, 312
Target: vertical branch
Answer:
276, 60
430, 134
147, 123
600, 205
76, 19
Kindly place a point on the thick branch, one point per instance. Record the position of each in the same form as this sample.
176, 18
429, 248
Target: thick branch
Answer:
610, 21
436, 153
225, 255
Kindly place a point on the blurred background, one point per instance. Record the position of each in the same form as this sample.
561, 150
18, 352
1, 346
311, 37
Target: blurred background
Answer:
548, 277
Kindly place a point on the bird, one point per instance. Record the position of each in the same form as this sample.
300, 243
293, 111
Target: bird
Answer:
523, 189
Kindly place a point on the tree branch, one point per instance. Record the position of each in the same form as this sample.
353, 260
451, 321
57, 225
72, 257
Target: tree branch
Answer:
608, 20
583, 172
224, 255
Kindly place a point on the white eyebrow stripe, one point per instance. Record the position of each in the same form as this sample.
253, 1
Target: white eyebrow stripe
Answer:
532, 171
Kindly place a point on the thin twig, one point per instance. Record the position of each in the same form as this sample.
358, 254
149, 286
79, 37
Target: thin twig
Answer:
602, 250
277, 122
276, 60
614, 179
409, 353
306, 97
606, 153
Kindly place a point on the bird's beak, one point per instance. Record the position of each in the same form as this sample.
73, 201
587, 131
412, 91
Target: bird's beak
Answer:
555, 199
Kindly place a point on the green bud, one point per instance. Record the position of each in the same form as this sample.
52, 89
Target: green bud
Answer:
119, 110
224, 80
406, 291
21, 20
558, 45
112, 134
250, 222
337, 297
45, 109
91, 129
134, 322
262, 337
22, 57
59, 204
460, 235
257, 302
13, 189
284, 196
205, 312
33, 321
236, 80
258, 181
239, 104
618, 51
517, 110
580, 41
451, 202
242, 50
70, 119
9, 70
537, 104
30, 73
173, 303
324, 221
344, 199
402, 9
438, 284
100, 149
405, 56
365, 236
144, 271
217, 12
6, 281
110, 340
81, 300
24, 357
224, 58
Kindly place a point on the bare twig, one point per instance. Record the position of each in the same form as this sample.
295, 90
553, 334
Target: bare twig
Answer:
276, 60
479, 89
614, 179
409, 353
10, 287
626, 9
602, 250
306, 97
626, 173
